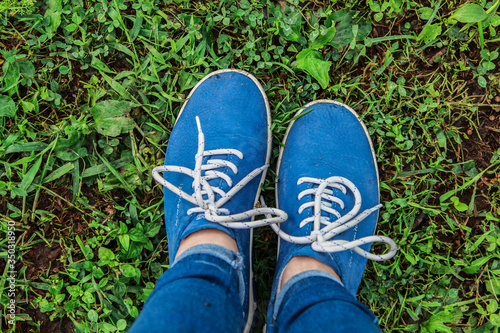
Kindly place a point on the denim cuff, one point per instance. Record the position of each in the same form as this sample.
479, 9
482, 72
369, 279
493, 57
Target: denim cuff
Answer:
295, 279
235, 260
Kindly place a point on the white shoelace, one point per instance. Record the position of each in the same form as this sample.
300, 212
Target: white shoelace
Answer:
320, 236
204, 194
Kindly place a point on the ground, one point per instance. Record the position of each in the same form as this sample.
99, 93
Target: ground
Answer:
89, 91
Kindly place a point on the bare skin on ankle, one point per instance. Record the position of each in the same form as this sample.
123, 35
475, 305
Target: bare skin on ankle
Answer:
301, 264
208, 236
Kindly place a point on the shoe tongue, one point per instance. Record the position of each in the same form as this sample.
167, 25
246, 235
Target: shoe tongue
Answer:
348, 200
217, 182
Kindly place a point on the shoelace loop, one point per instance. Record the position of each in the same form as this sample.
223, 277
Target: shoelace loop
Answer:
204, 196
320, 237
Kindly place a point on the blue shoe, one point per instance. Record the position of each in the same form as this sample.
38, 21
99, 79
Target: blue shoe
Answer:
329, 186
215, 163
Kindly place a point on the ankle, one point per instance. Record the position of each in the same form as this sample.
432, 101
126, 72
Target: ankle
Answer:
301, 264
208, 236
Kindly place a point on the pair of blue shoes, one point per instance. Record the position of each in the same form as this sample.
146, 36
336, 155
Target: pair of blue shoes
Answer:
328, 184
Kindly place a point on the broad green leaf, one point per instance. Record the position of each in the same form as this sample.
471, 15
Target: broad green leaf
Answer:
481, 81
135, 250
407, 145
410, 257
312, 62
63, 70
425, 13
121, 324
490, 217
88, 298
93, 316
56, 287
76, 18
495, 319
460, 206
493, 285
109, 117
492, 306
7, 106
430, 33
106, 255
9, 56
27, 68
54, 15
441, 138
355, 29
291, 30
438, 322
71, 27
124, 241
59, 298
344, 21
324, 39
107, 327
153, 229
149, 246
103, 281
488, 65
137, 235
128, 270
469, 13
495, 21
69, 149
74, 290
374, 6
244, 4
45, 306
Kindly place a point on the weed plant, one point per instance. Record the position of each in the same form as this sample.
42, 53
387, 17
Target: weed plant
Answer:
89, 92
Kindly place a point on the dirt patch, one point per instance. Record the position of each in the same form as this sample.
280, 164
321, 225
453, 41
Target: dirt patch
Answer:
41, 258
63, 325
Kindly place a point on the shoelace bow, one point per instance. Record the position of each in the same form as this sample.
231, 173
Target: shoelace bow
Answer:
204, 196
320, 237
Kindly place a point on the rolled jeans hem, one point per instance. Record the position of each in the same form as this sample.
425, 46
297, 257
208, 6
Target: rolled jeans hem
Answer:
198, 293
234, 259
316, 300
296, 279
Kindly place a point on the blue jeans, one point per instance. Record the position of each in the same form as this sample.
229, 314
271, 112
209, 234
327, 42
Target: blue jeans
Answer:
204, 290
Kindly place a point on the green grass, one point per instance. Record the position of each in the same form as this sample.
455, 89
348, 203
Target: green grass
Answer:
89, 91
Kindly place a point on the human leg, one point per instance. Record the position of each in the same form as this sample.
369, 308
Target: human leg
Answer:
203, 291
